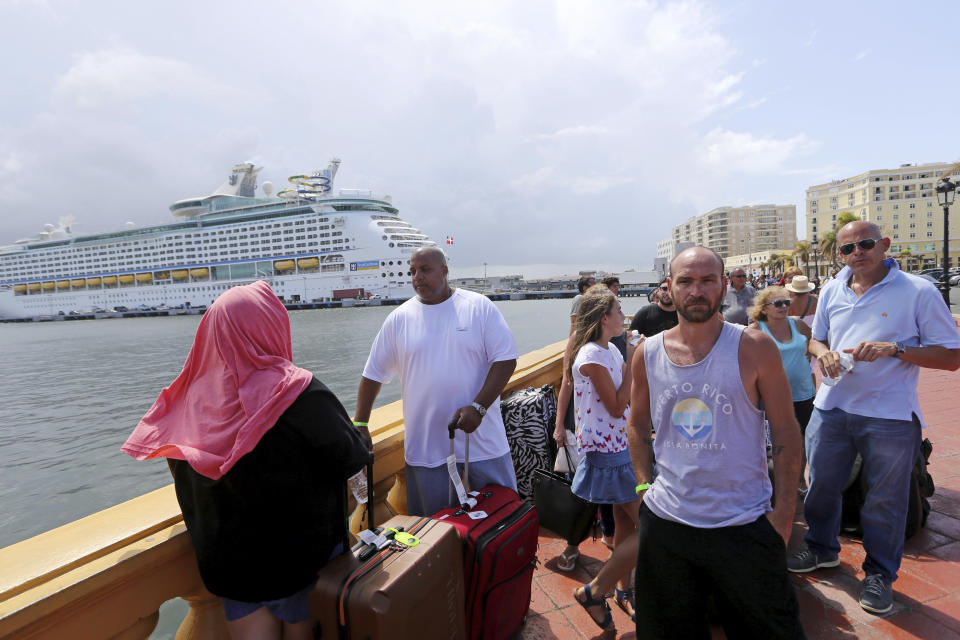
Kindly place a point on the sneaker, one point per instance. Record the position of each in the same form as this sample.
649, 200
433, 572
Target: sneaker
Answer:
876, 596
806, 560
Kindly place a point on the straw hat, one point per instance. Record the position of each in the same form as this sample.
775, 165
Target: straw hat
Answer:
800, 284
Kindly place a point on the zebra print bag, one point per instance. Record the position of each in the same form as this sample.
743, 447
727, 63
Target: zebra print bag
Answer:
529, 416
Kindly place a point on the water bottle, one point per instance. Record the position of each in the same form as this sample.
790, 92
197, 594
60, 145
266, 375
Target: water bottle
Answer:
635, 338
846, 366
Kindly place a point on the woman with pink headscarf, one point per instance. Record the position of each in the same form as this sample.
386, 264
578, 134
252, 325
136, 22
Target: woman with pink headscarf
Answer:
259, 450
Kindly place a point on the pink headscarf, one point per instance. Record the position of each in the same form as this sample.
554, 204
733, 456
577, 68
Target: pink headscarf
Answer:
237, 381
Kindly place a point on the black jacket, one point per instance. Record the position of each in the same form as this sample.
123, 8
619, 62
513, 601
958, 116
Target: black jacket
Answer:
264, 529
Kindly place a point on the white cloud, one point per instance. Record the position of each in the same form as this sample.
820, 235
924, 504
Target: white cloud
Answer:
115, 77
731, 152
575, 131
861, 55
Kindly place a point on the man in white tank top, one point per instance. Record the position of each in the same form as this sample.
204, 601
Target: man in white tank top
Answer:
706, 527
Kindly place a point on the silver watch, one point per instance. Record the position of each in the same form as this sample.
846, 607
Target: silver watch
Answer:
901, 348
482, 410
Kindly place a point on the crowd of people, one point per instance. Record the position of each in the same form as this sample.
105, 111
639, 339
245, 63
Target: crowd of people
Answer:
674, 426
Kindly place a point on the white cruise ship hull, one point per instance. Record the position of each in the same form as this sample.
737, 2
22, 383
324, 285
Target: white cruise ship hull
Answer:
310, 246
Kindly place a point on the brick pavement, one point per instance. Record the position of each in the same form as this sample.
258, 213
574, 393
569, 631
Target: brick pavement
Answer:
926, 596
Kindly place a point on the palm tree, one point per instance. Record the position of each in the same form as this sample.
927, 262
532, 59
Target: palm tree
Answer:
844, 218
802, 253
776, 262
905, 256
828, 246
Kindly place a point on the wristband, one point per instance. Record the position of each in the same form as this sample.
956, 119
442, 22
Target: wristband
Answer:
357, 423
643, 487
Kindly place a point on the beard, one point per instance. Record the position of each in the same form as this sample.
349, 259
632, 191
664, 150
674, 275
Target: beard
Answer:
703, 313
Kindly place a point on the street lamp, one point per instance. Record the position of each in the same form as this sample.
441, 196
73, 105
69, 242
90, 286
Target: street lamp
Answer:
946, 190
815, 248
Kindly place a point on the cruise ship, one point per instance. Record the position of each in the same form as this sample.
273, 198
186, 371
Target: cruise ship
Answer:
310, 243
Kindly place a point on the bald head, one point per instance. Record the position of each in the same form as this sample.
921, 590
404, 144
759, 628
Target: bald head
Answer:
430, 253
697, 254
858, 228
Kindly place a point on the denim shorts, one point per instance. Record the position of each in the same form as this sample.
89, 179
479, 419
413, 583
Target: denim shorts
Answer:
605, 478
293, 608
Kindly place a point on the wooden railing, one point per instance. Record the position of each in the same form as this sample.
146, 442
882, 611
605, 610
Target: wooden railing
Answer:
106, 575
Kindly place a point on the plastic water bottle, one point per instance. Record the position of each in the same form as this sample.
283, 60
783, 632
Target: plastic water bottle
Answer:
846, 366
635, 337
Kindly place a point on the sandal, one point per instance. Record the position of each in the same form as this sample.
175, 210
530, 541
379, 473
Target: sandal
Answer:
623, 598
566, 562
607, 623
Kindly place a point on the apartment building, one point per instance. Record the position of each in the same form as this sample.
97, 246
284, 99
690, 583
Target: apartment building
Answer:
902, 201
741, 230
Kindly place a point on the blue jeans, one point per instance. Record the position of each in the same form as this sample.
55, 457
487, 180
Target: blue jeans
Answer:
889, 449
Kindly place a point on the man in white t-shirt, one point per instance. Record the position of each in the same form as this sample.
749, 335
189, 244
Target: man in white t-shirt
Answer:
454, 354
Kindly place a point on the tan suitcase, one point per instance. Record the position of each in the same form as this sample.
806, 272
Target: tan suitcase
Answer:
395, 595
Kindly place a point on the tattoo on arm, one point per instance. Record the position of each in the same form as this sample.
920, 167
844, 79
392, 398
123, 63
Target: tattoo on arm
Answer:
778, 450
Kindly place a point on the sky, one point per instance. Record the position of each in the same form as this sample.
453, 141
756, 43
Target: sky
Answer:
546, 137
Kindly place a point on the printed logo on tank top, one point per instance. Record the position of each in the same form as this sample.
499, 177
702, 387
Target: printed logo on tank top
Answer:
691, 416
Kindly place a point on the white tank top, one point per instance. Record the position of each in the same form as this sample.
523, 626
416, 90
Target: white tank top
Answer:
710, 445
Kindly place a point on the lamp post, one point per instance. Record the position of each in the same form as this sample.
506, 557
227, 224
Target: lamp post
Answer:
946, 190
815, 248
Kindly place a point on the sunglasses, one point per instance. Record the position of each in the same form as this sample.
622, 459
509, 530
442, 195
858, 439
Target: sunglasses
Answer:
739, 276
779, 304
664, 289
865, 244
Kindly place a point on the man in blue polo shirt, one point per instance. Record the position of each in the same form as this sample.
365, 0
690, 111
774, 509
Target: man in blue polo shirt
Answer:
891, 324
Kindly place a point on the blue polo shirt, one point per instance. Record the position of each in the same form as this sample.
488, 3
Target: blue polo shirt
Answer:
900, 308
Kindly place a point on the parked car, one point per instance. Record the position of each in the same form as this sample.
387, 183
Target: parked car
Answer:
954, 280
928, 278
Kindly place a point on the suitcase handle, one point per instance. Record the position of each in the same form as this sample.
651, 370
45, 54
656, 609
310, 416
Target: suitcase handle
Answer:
451, 429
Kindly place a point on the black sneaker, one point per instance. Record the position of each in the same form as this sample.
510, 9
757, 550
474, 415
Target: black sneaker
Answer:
806, 561
876, 596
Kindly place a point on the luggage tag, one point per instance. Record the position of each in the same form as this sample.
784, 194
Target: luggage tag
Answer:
404, 538
358, 486
457, 484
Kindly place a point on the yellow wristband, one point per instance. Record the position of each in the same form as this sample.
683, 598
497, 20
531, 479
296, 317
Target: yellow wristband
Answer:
357, 423
643, 487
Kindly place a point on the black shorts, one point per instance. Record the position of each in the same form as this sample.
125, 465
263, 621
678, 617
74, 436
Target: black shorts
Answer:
743, 567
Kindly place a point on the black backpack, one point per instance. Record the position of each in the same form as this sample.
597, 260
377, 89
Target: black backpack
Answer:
921, 488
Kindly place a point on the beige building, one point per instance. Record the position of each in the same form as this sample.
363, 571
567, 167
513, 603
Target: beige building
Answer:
742, 230
751, 262
903, 201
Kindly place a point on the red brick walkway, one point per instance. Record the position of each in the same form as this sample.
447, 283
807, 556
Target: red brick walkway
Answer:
926, 595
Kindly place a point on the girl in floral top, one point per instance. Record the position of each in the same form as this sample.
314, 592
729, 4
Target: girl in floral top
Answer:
601, 386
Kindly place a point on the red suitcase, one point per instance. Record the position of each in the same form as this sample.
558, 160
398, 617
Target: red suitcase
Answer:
499, 559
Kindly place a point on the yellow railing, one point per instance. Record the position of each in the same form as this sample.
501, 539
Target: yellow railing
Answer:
106, 575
